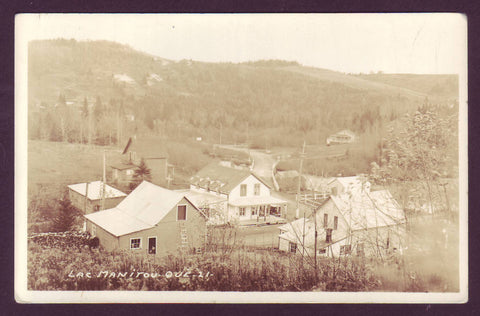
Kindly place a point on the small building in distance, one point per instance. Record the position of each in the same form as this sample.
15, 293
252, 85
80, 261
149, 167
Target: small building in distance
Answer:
150, 220
358, 223
343, 137
151, 150
340, 185
246, 197
92, 201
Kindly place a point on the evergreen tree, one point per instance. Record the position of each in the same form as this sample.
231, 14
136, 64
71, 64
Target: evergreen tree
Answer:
85, 110
141, 173
65, 216
98, 111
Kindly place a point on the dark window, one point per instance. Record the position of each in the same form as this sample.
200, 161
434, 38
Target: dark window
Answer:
335, 222
345, 250
325, 220
135, 243
181, 213
243, 190
96, 208
328, 238
293, 247
322, 251
242, 211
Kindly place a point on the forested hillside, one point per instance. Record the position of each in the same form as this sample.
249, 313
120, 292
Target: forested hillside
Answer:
100, 92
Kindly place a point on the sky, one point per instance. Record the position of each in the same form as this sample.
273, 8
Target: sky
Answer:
350, 43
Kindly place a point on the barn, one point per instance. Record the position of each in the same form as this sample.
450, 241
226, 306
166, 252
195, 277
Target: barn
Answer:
150, 220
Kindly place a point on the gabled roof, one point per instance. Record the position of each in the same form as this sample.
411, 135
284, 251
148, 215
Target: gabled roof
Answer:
369, 209
95, 190
365, 210
147, 205
220, 178
347, 181
148, 147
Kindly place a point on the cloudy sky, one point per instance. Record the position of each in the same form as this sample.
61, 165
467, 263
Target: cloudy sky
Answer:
351, 43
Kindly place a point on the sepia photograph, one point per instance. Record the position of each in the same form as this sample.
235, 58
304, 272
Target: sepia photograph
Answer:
241, 158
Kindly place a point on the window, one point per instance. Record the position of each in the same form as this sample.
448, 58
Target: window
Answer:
360, 249
334, 191
243, 190
325, 220
181, 212
293, 247
129, 172
94, 230
335, 222
241, 211
328, 238
345, 249
322, 251
135, 243
96, 208
256, 189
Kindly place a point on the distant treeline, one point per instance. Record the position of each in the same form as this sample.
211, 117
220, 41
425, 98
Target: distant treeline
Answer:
261, 102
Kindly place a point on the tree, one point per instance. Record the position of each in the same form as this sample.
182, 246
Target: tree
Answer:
419, 155
65, 216
98, 110
85, 110
141, 173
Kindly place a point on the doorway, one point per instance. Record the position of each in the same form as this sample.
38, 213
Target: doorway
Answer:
152, 245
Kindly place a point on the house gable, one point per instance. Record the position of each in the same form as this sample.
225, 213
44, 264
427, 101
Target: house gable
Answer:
249, 182
192, 212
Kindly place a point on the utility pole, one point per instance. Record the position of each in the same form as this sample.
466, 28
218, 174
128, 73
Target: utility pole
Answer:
221, 127
302, 156
315, 255
444, 185
104, 180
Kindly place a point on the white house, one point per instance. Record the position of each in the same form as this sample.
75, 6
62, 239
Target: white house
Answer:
341, 185
246, 197
357, 222
343, 137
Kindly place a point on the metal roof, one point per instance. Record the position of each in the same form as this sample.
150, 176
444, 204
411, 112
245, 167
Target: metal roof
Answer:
369, 210
364, 210
220, 178
200, 199
95, 190
347, 181
143, 208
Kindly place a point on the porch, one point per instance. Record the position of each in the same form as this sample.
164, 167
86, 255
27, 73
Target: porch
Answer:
266, 209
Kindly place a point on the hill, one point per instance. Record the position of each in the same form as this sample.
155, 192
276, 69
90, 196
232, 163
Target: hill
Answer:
264, 103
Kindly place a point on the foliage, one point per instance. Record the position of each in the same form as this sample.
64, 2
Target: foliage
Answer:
238, 270
422, 150
142, 173
65, 216
419, 157
265, 103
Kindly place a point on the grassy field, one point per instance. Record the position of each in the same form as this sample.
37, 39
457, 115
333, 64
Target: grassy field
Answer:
53, 165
